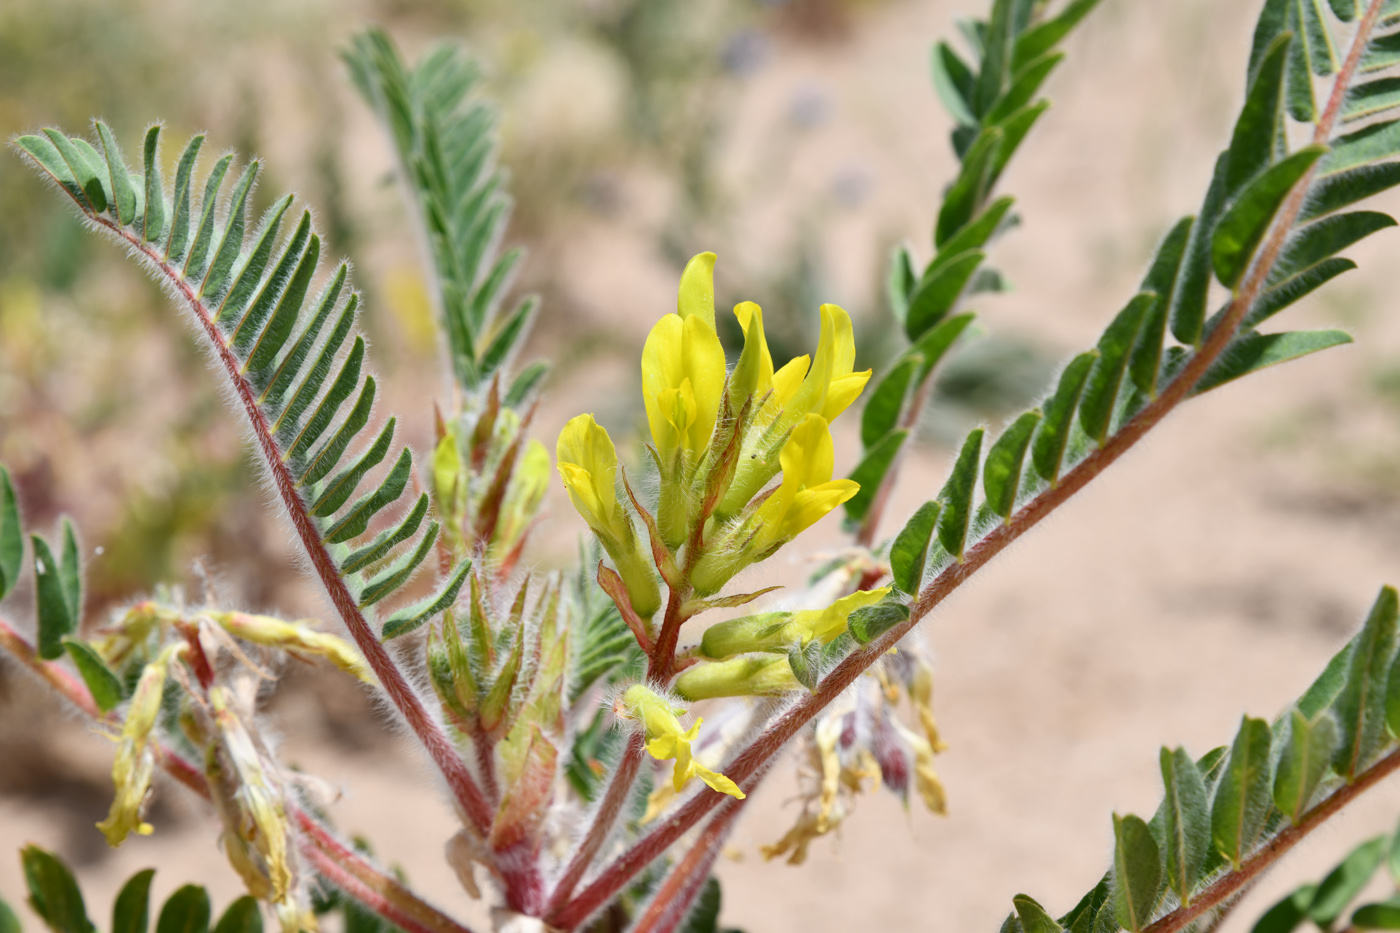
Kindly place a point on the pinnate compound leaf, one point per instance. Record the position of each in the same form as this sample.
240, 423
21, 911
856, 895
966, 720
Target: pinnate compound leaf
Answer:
82, 170
185, 911
1360, 705
1344, 883
53, 892
909, 552
1242, 798
105, 686
870, 473
1243, 224
131, 913
1303, 762
1033, 917
1001, 474
1252, 352
1137, 872
1048, 448
1187, 823
956, 496
406, 620
11, 537
242, 916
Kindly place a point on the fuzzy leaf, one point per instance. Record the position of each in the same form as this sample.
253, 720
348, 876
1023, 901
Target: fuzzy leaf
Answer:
1294, 289
1303, 762
53, 892
1370, 144
406, 620
1033, 917
399, 573
355, 520
939, 291
1106, 379
105, 686
11, 537
1137, 872
153, 217
1333, 192
1192, 292
1048, 448
1344, 883
956, 496
1001, 475
131, 913
887, 400
975, 234
1287, 914
185, 911
1371, 98
55, 620
900, 282
1243, 224
242, 916
1252, 144
1161, 279
870, 473
1242, 798
965, 196
1321, 239
909, 552
1187, 825
123, 196
83, 172
931, 347
1360, 706
954, 83
870, 622
1252, 352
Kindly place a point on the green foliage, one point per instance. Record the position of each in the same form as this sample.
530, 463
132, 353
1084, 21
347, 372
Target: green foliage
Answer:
11, 537
251, 298
445, 136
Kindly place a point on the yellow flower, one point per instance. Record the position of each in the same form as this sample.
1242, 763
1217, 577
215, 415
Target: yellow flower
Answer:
777, 631
588, 465
666, 739
683, 369
134, 765
807, 492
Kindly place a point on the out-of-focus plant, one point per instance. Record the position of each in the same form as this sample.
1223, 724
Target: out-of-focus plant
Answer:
557, 707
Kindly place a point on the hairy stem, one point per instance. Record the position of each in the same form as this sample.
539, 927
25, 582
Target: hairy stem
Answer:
429, 732
749, 764
346, 868
685, 882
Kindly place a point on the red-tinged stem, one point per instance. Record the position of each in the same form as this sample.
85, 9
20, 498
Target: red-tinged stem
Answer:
754, 758
429, 732
373, 899
613, 800
52, 673
1232, 883
673, 899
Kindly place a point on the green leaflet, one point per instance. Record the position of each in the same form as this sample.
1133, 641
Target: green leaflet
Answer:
84, 174
1014, 129
1187, 824
153, 217
996, 56
1161, 278
900, 282
969, 190
180, 207
341, 487
123, 196
939, 291
704, 913
1048, 448
1137, 872
357, 515
932, 345
242, 916
314, 378
231, 243
975, 234
132, 909
956, 496
1252, 352
48, 159
296, 444
1033, 917
388, 540
1367, 145
1001, 474
1345, 9
1293, 289
870, 622
1193, 286
1303, 761
510, 334
1252, 145
887, 400
250, 271
1371, 98
1287, 914
406, 619
398, 574
105, 686
1024, 84
185, 911
1325, 238
1333, 192
1245, 221
324, 460
275, 380
1242, 798
1106, 378
1383, 916
57, 592
954, 82
11, 537
1041, 38
1080, 918
1360, 705
195, 262
53, 893
1324, 689
1344, 883
870, 473
909, 552
525, 383
274, 315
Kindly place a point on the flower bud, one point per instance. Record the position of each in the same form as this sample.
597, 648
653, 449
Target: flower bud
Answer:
294, 638
737, 677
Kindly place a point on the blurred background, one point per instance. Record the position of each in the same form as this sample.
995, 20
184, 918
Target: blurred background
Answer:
1211, 573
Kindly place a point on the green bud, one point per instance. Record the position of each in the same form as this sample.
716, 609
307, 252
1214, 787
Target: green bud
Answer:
743, 676
766, 631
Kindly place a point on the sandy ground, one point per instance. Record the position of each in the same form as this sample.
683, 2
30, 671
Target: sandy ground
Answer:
1211, 573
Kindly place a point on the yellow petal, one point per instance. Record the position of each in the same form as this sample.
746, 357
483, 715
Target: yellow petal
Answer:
788, 380
827, 624
809, 456
842, 392
705, 368
753, 375
588, 465
661, 370
697, 292
811, 505
719, 782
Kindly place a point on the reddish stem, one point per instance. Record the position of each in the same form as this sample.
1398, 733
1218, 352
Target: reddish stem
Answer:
673, 899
